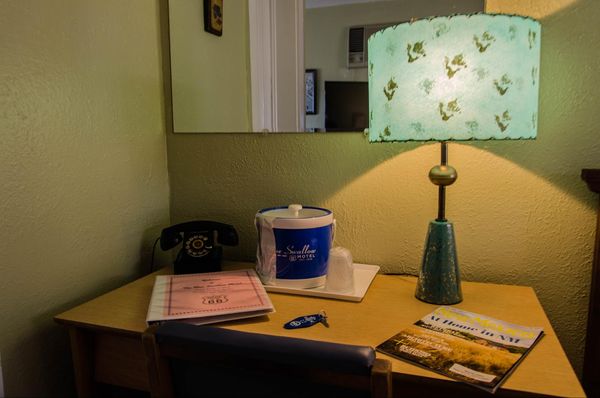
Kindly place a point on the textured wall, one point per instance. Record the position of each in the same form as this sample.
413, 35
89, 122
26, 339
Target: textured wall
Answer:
82, 167
200, 101
522, 215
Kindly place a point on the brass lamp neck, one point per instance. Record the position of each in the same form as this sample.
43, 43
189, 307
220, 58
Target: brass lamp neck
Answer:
442, 175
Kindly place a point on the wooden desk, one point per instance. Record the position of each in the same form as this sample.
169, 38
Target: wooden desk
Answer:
106, 334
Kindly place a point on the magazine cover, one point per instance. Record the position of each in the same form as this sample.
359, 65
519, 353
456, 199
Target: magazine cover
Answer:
464, 346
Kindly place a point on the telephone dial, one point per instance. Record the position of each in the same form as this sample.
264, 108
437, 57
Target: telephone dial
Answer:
199, 252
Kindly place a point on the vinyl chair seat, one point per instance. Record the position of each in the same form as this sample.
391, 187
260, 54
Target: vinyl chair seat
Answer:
187, 360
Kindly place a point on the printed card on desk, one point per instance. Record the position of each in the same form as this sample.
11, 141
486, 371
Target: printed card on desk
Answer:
208, 298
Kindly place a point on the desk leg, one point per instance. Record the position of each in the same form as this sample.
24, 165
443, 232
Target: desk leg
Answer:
81, 350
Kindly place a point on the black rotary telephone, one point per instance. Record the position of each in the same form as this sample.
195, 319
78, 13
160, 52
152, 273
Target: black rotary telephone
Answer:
199, 252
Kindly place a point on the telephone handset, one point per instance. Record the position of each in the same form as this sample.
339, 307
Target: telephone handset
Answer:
199, 252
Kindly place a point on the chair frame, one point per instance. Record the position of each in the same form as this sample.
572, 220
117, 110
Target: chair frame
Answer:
379, 382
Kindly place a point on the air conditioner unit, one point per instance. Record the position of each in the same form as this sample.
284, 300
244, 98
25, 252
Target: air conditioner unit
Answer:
357, 43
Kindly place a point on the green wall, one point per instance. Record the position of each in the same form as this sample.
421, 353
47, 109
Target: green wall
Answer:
522, 215
83, 170
211, 80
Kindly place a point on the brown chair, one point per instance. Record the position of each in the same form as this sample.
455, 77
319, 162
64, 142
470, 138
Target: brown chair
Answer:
186, 360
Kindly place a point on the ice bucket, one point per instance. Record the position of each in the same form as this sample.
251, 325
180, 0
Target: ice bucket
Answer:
293, 245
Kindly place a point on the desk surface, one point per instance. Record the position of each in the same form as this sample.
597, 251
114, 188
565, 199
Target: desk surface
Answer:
388, 307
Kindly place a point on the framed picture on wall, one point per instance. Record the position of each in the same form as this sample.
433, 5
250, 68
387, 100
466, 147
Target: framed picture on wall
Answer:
213, 16
310, 83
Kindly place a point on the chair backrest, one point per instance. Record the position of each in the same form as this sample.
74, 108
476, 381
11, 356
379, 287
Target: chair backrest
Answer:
187, 360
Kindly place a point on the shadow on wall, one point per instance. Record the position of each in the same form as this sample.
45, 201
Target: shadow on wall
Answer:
568, 126
40, 355
228, 177
207, 170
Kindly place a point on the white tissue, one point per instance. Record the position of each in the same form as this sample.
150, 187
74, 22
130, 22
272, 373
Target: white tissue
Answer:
340, 272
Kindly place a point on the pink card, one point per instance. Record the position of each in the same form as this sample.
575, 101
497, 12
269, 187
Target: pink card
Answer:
214, 293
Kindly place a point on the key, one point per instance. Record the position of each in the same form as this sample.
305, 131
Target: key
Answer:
306, 321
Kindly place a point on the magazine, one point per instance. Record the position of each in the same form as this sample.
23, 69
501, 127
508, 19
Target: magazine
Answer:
208, 298
465, 346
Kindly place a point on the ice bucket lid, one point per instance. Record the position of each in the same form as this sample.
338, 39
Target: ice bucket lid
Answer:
294, 211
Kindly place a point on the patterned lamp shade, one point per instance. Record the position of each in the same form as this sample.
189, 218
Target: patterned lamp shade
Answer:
463, 77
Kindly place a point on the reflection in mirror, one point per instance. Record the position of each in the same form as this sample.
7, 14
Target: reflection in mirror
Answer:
252, 77
210, 79
341, 58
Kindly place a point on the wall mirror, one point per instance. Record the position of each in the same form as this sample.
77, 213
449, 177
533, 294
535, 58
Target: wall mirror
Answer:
281, 65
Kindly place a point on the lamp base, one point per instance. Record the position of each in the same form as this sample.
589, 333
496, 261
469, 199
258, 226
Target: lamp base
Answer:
439, 278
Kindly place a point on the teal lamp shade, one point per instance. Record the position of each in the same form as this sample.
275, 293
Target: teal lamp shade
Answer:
463, 77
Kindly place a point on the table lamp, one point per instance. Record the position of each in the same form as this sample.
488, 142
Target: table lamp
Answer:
462, 77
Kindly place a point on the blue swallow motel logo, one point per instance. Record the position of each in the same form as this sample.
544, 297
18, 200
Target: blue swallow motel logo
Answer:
292, 254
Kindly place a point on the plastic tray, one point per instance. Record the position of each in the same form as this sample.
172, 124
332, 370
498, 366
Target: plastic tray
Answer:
363, 276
